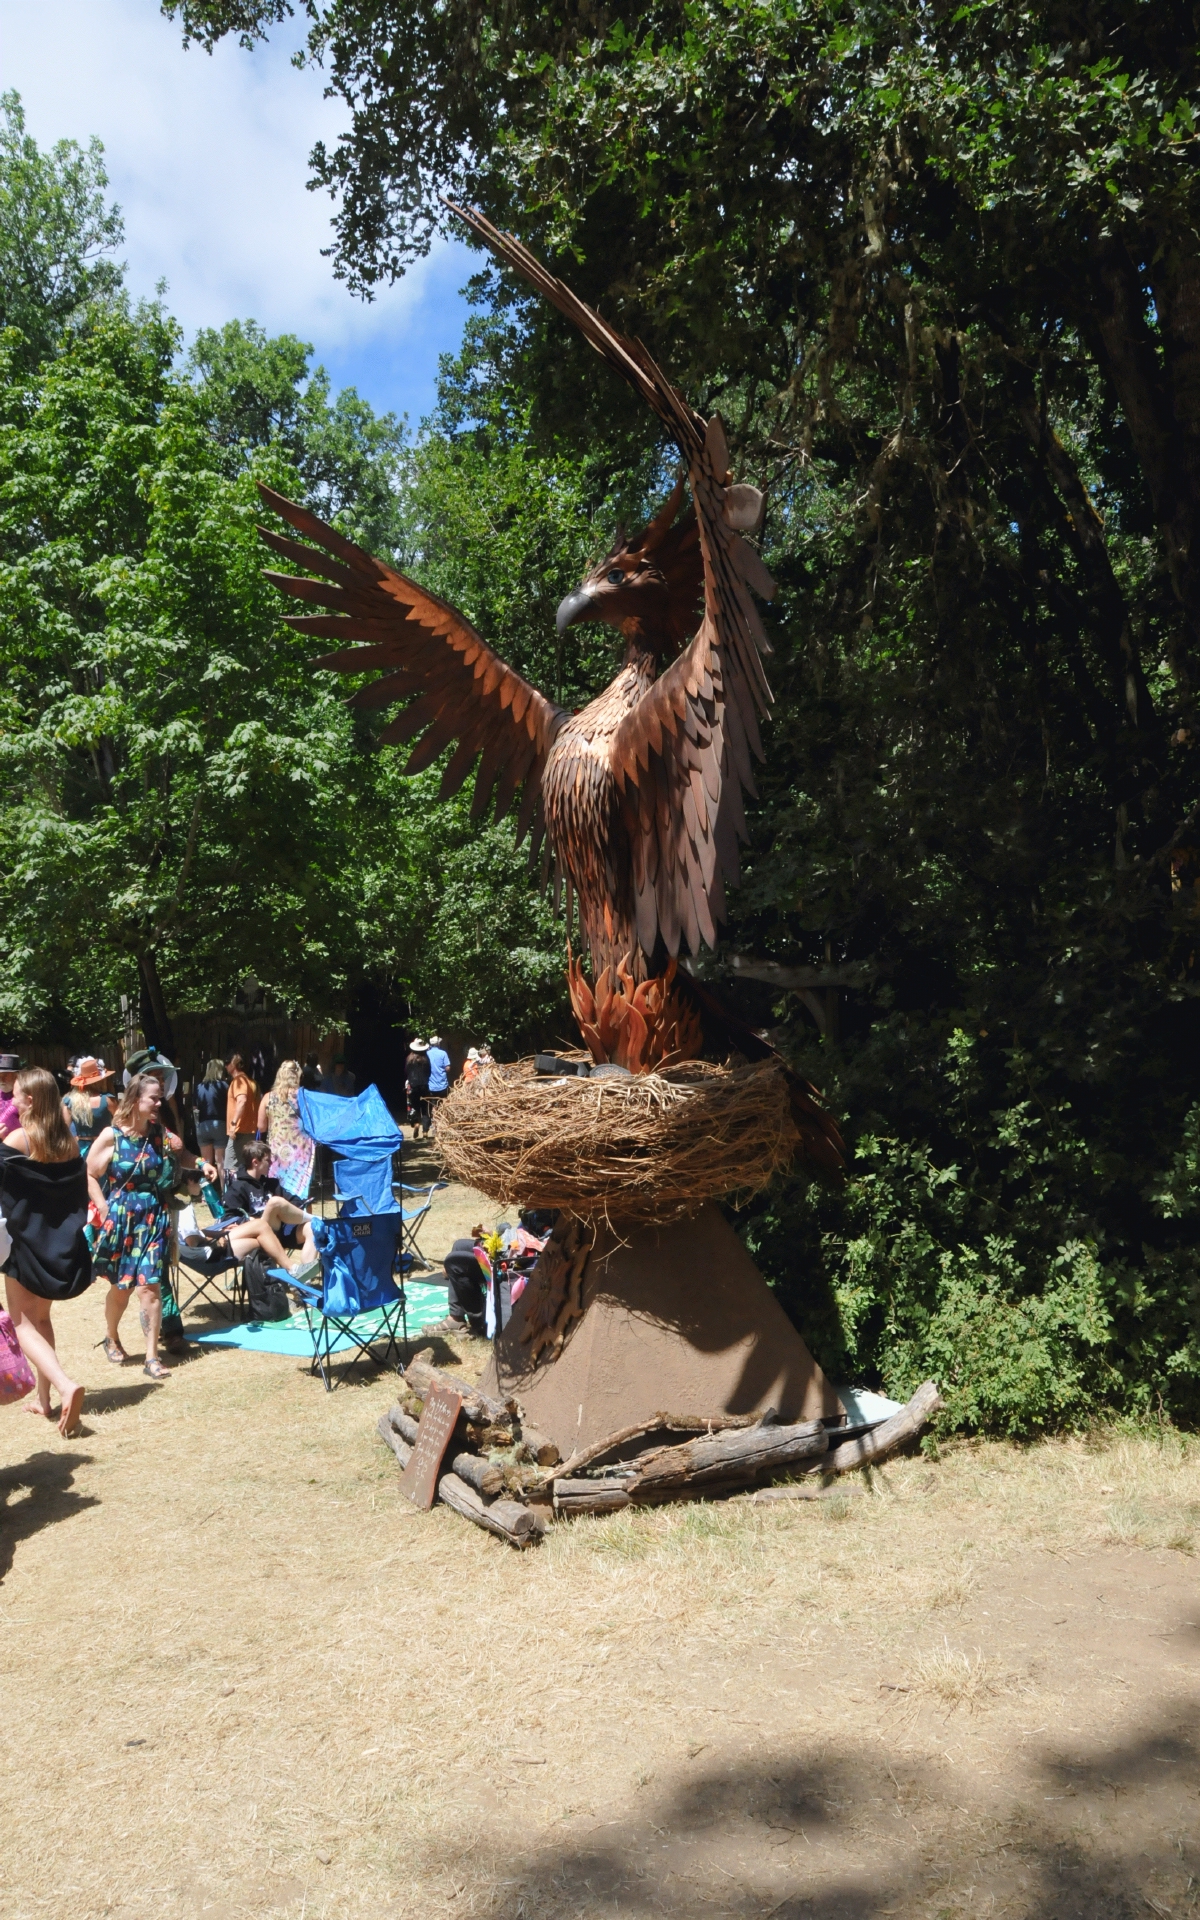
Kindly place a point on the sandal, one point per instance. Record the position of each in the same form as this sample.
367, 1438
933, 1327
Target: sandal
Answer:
114, 1351
156, 1370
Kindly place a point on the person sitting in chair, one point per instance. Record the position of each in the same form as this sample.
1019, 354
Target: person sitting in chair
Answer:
272, 1221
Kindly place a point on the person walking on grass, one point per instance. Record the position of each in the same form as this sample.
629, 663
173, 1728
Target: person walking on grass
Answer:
44, 1196
132, 1169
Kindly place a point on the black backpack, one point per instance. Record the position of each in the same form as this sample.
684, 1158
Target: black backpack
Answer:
267, 1297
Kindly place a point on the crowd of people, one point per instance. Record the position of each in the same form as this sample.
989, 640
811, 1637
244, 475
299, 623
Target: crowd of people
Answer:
90, 1183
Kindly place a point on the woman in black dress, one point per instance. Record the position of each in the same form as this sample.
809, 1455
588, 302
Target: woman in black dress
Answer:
416, 1079
44, 1198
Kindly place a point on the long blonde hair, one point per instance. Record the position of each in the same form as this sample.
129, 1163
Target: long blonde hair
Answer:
80, 1102
45, 1125
287, 1079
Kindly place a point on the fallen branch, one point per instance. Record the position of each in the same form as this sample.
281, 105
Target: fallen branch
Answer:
730, 1457
718, 1462
659, 1423
893, 1433
506, 1518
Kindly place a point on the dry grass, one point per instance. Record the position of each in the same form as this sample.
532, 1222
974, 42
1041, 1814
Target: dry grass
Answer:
955, 1678
647, 1147
245, 1680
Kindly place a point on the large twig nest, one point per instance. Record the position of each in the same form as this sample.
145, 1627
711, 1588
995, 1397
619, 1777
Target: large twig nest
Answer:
634, 1148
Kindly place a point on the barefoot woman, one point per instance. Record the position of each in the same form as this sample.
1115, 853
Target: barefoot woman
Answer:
132, 1168
43, 1194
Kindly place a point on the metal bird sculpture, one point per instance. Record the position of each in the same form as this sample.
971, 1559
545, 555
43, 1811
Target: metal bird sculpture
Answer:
641, 793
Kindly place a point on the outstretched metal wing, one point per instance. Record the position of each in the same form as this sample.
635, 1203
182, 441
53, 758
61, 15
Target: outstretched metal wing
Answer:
683, 756
464, 690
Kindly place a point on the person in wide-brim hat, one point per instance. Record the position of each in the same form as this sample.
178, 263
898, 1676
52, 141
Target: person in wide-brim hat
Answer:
90, 1072
150, 1060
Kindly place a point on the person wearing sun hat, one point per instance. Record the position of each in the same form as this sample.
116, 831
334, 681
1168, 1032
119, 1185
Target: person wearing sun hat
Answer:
89, 1110
416, 1081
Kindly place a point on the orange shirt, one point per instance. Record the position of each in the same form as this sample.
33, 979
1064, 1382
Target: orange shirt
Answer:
241, 1107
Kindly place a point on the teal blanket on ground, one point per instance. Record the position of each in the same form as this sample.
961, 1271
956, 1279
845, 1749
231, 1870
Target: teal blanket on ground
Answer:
291, 1336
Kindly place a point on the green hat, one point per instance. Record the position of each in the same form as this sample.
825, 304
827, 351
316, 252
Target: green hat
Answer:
150, 1060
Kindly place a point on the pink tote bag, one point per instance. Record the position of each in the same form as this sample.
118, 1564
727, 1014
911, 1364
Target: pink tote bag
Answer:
16, 1374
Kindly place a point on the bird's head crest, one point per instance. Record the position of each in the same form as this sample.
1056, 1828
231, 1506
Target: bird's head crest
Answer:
649, 584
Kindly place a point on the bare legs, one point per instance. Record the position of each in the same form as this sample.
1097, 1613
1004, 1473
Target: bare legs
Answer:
149, 1313
263, 1233
31, 1318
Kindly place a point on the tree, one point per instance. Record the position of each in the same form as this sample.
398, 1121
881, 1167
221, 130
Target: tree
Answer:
56, 230
936, 265
181, 798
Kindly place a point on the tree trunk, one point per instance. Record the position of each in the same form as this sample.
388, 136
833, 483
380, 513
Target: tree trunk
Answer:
155, 1020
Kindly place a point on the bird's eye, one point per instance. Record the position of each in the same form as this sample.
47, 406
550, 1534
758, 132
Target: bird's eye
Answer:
616, 578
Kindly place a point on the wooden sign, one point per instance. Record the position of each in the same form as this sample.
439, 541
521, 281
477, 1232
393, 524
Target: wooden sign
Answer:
419, 1480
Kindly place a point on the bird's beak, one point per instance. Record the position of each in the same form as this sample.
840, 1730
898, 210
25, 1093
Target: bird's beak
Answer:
580, 605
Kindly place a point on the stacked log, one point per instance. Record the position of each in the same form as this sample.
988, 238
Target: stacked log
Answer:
727, 1454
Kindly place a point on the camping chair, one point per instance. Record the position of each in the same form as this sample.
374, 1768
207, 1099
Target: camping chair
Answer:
358, 1254
207, 1268
413, 1218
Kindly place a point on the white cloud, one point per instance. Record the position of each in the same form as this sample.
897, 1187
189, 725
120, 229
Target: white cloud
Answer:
208, 160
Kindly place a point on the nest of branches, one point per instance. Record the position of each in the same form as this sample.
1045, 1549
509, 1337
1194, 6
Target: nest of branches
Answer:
635, 1149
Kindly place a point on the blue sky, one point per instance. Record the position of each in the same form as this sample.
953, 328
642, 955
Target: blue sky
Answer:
207, 158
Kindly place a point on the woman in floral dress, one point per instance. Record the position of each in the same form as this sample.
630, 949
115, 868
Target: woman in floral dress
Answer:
132, 1168
292, 1150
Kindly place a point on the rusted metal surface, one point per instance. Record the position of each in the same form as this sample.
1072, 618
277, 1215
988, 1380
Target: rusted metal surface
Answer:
642, 793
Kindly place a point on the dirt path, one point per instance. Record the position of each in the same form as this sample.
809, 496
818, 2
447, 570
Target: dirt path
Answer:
242, 1679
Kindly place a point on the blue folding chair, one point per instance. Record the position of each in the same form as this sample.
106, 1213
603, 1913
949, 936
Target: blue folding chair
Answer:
358, 1260
362, 1264
413, 1218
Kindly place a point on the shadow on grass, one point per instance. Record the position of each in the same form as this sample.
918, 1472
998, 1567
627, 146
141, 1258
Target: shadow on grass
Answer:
111, 1399
1102, 1832
36, 1494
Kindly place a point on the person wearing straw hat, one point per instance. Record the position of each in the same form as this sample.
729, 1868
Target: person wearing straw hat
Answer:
88, 1110
416, 1081
10, 1066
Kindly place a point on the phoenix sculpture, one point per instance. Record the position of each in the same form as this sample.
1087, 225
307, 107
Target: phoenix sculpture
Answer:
640, 795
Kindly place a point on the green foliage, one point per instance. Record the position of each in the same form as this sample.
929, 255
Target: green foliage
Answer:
181, 798
253, 391
55, 229
936, 265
